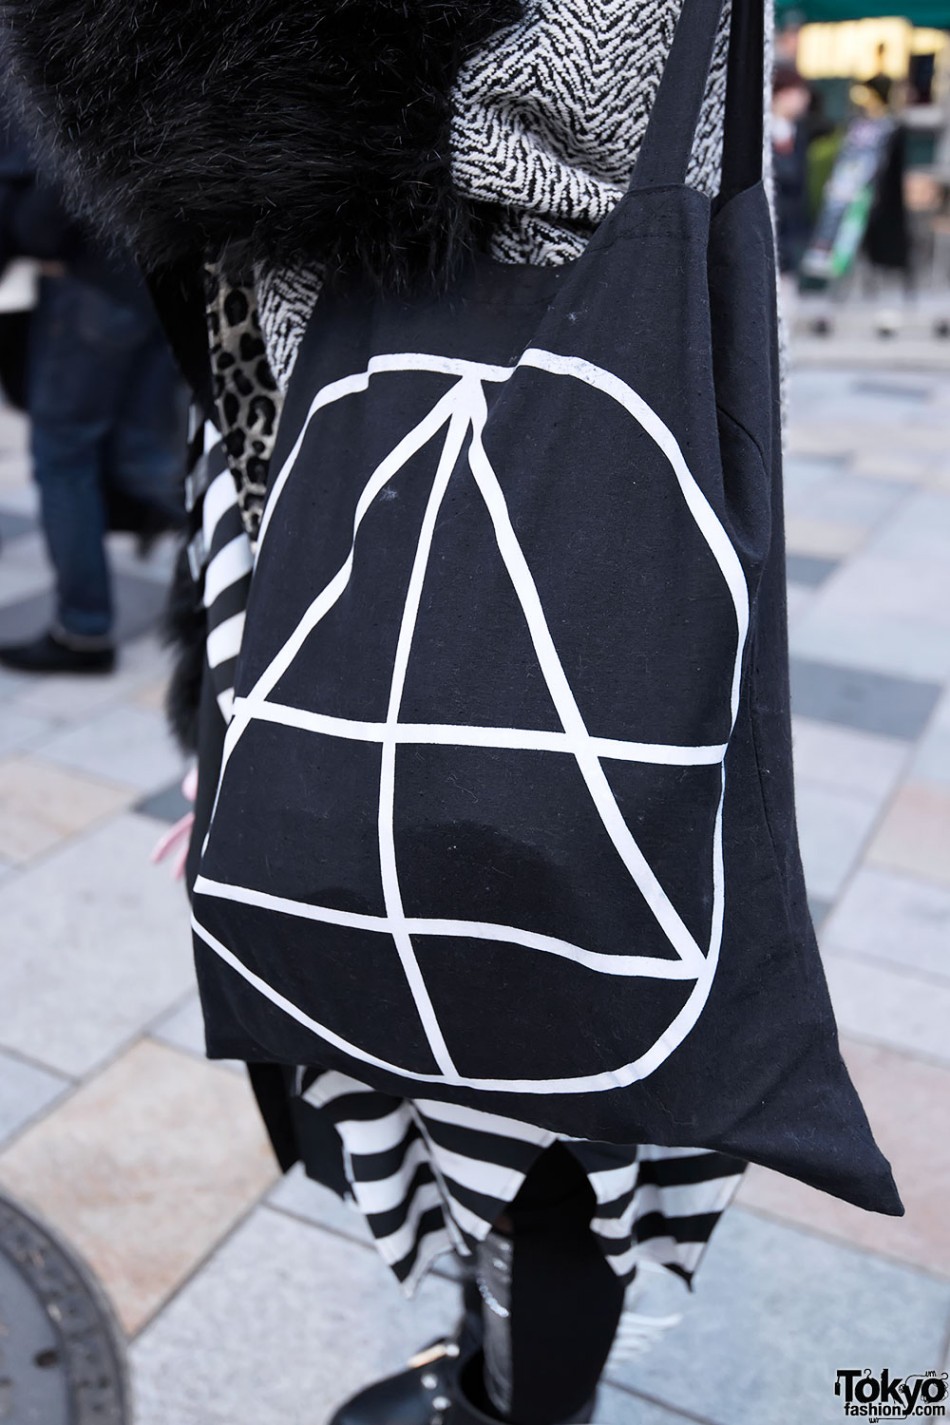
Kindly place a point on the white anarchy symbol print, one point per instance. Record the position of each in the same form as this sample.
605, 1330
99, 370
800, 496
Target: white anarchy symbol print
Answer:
458, 419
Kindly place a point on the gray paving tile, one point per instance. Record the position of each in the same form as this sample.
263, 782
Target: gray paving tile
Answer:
25, 1091
810, 388
13, 525
12, 684
814, 467
139, 605
897, 647
619, 1407
168, 805
71, 700
804, 472
157, 565
809, 569
776, 1313
123, 744
859, 698
914, 835
883, 456
13, 429
19, 493
146, 1168
891, 390
146, 654
799, 598
842, 757
931, 761
876, 424
22, 582
28, 548
887, 1005
873, 587
102, 947
919, 529
24, 617
834, 827
184, 1029
20, 730
829, 539
299, 1196
886, 916
283, 1325
820, 910
850, 498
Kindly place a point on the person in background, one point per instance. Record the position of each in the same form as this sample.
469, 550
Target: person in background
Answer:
17, 275
104, 401
880, 81
791, 101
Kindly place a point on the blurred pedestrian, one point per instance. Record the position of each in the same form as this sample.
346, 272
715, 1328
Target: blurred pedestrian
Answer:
791, 104
18, 275
104, 401
880, 81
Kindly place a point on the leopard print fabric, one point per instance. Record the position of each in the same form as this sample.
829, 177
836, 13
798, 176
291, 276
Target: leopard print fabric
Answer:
246, 395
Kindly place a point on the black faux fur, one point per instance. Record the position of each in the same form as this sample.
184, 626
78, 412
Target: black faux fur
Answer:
282, 130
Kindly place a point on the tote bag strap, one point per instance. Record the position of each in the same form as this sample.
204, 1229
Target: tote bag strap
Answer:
744, 127
668, 142
671, 131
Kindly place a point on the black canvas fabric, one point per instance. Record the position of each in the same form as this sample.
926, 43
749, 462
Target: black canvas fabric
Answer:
506, 812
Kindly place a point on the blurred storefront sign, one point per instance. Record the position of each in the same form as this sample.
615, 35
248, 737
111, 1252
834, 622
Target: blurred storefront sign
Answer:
845, 48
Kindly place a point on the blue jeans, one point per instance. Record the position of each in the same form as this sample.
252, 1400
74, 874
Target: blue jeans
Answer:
105, 409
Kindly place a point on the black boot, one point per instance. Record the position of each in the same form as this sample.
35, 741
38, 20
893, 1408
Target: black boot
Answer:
440, 1387
422, 1393
467, 1403
51, 653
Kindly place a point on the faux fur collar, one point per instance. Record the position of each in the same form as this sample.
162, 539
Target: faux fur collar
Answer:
279, 130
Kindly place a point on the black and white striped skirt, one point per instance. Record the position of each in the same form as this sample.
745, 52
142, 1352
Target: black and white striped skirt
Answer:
433, 1177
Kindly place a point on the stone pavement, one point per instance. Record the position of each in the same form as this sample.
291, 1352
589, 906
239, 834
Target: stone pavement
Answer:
253, 1302
845, 329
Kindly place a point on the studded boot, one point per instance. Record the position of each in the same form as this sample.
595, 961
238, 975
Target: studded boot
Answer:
423, 1393
466, 1403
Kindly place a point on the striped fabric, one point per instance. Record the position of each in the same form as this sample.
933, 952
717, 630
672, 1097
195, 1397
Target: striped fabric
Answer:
221, 556
432, 1177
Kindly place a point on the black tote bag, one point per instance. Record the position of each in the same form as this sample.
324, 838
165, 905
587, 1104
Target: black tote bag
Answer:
506, 814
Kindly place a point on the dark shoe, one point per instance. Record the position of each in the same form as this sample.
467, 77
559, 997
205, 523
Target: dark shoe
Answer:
422, 1393
439, 1388
51, 654
463, 1406
417, 1396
